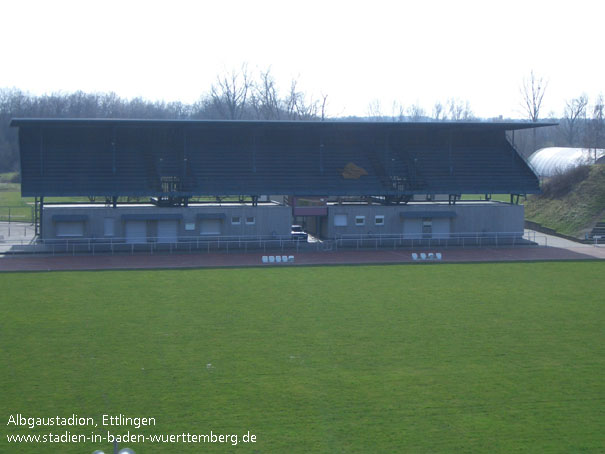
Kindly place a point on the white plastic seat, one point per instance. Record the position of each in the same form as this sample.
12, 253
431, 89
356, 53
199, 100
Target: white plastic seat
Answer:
271, 259
414, 256
431, 256
284, 258
438, 255
291, 259
423, 256
278, 258
265, 259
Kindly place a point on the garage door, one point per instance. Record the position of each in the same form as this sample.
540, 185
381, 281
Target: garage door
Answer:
210, 227
136, 232
70, 229
441, 228
412, 228
167, 231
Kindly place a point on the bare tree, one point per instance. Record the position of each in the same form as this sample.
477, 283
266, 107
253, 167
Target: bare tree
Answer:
269, 105
573, 116
397, 112
438, 112
324, 105
595, 134
459, 110
265, 98
297, 107
532, 93
415, 112
454, 109
374, 110
229, 94
292, 101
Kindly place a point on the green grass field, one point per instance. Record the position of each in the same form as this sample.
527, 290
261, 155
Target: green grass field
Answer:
494, 197
494, 358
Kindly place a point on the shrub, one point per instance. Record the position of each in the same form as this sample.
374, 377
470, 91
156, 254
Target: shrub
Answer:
11, 177
563, 182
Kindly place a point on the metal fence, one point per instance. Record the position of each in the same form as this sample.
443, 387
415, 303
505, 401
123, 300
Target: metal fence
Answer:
17, 231
17, 214
157, 245
79, 245
464, 239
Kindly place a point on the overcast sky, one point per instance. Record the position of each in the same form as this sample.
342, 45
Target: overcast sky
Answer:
355, 52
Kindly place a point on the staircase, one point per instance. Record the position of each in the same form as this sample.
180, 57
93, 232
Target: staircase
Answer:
598, 230
378, 168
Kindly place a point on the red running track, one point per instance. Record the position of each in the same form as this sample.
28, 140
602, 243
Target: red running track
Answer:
343, 257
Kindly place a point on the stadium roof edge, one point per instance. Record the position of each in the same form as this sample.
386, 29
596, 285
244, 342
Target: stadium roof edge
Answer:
503, 126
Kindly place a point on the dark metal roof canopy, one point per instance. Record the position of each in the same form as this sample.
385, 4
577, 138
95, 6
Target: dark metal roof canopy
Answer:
176, 158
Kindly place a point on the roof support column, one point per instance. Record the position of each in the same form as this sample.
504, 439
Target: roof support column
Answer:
41, 217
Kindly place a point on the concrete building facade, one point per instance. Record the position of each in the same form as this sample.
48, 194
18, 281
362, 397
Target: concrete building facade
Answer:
148, 223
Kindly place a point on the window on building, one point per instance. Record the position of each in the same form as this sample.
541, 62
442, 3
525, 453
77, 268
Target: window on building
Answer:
236, 220
250, 220
379, 220
360, 220
340, 220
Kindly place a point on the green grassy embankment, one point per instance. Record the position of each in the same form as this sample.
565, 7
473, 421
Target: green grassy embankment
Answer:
575, 212
482, 358
10, 196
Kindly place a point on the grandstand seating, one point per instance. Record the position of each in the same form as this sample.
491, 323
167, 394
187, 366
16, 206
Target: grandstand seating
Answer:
147, 158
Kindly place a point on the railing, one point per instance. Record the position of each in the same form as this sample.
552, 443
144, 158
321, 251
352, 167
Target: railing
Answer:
73, 245
17, 213
112, 245
458, 239
16, 230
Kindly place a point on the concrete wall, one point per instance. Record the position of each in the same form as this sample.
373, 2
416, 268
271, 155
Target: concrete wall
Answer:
269, 219
276, 220
471, 217
488, 217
